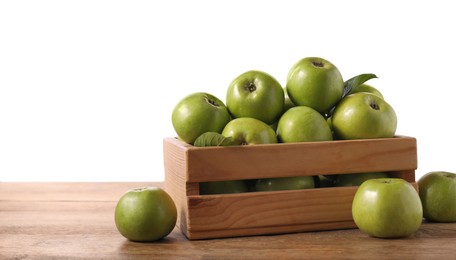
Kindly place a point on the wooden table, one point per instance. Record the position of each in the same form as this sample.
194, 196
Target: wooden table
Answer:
76, 220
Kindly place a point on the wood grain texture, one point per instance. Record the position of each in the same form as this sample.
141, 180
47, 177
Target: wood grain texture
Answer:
297, 159
261, 213
76, 221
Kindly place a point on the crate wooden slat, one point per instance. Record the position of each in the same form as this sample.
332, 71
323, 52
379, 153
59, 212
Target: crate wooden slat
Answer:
256, 213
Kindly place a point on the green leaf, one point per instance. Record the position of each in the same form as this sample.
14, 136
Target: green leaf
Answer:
356, 81
351, 84
212, 139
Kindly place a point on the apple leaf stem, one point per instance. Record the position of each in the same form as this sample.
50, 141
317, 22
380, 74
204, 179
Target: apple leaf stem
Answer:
351, 84
212, 102
356, 81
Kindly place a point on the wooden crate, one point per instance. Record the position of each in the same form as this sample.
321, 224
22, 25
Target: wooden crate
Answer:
274, 212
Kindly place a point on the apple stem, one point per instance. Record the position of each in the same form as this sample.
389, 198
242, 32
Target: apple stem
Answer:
375, 106
251, 87
318, 64
212, 102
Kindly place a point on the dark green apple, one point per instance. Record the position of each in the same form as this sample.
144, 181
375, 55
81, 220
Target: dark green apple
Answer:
356, 179
303, 124
255, 94
197, 114
285, 183
316, 83
223, 187
365, 88
248, 131
438, 195
362, 116
387, 208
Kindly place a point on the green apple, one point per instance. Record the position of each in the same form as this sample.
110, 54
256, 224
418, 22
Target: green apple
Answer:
223, 187
365, 88
197, 114
356, 179
288, 103
387, 208
303, 124
285, 183
316, 83
255, 94
438, 195
145, 214
248, 131
329, 122
362, 116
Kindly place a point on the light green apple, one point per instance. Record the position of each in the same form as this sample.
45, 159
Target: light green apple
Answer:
362, 116
365, 88
303, 124
316, 83
387, 208
248, 131
438, 195
356, 179
255, 94
285, 183
197, 114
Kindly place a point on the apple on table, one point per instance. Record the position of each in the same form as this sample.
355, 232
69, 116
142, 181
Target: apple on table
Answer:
145, 214
387, 208
438, 195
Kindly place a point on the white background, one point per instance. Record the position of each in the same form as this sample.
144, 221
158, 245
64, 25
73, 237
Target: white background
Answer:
87, 87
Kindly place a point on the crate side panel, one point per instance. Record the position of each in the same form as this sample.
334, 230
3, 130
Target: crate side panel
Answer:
209, 234
301, 159
175, 162
270, 209
408, 175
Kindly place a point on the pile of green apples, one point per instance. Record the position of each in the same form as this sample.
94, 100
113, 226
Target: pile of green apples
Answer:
315, 105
